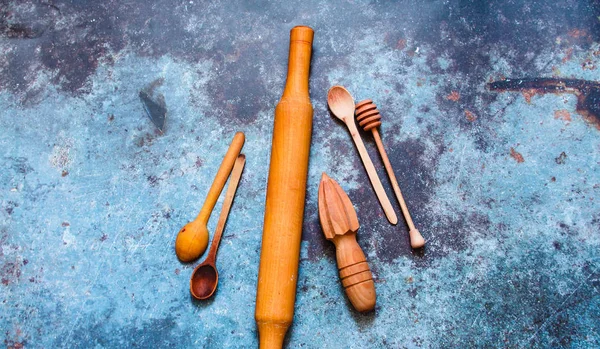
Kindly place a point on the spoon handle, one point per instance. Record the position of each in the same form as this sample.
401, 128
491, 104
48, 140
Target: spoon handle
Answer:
390, 171
377, 186
221, 178
236, 174
416, 239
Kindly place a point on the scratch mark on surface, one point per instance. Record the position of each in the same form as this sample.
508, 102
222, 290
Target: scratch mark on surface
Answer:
559, 309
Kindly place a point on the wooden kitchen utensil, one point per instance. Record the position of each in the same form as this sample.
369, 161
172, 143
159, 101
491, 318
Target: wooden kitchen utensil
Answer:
339, 222
192, 239
341, 104
369, 119
286, 190
205, 277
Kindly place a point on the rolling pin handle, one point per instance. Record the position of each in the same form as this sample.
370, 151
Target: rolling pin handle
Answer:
271, 335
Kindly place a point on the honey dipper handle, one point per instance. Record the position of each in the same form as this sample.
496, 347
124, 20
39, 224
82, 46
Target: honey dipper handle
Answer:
416, 240
390, 171
221, 178
377, 186
355, 274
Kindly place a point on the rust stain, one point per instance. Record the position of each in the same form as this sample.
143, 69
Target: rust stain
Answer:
568, 55
516, 155
577, 33
592, 120
556, 71
453, 96
401, 44
587, 92
527, 94
563, 114
470, 115
16, 345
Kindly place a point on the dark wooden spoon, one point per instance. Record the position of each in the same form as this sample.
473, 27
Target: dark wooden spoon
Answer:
205, 276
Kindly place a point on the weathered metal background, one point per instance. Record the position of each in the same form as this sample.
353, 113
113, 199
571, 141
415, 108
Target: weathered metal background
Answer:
504, 186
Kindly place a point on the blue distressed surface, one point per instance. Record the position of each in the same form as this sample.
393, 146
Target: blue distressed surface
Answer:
92, 197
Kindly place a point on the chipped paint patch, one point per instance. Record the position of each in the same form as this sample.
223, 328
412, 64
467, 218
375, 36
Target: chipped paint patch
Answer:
62, 157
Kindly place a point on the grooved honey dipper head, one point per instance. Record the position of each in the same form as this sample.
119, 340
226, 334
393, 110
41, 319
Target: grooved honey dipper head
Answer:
367, 115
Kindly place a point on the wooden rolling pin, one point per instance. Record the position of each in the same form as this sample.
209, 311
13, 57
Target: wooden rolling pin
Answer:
340, 224
286, 189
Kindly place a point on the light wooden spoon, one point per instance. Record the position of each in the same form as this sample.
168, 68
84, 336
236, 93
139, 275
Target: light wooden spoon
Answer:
342, 106
192, 239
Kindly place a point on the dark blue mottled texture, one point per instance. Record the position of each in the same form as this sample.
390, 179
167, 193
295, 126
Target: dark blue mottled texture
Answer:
504, 186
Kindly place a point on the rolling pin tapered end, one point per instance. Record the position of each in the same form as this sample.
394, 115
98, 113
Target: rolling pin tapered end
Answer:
302, 33
271, 334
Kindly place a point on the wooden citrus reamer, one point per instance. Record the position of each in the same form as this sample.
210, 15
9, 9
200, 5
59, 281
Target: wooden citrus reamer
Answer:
369, 119
286, 190
340, 224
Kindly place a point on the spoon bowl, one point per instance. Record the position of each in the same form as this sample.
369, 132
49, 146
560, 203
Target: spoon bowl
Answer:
204, 281
340, 102
191, 240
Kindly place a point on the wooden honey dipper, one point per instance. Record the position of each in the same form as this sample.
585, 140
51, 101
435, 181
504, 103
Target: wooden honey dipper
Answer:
369, 119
